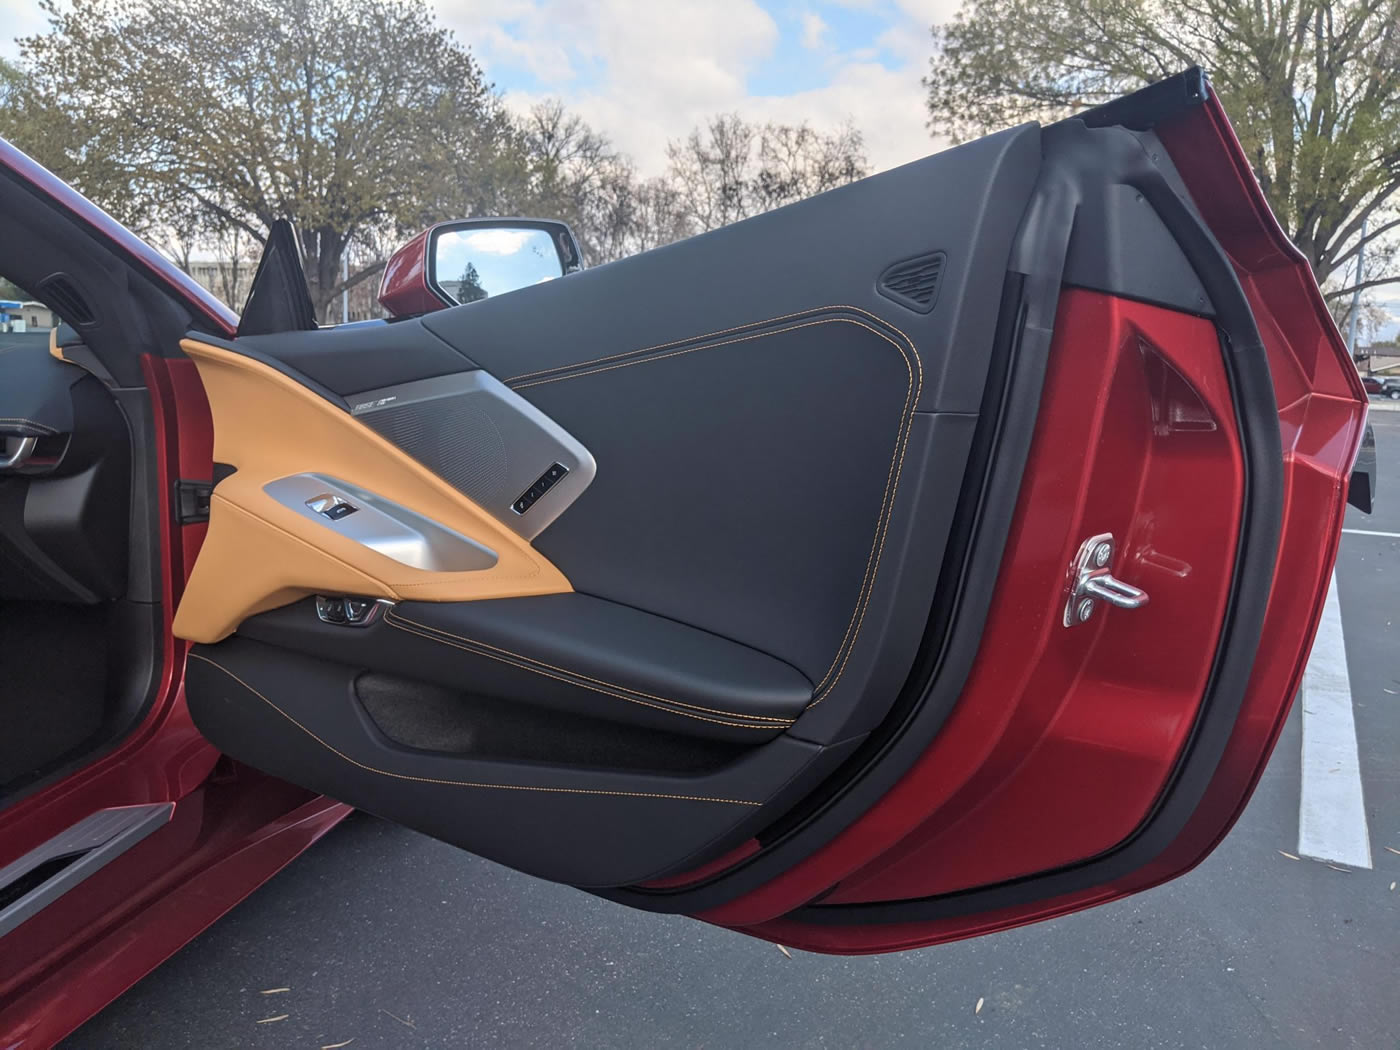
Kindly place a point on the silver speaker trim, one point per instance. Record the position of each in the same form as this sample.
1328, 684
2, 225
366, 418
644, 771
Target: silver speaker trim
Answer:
532, 442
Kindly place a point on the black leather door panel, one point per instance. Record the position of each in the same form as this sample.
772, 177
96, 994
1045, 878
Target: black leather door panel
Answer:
743, 487
351, 358
590, 827
568, 652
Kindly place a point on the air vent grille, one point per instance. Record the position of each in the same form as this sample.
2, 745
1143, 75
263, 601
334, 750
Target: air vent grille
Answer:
61, 295
914, 282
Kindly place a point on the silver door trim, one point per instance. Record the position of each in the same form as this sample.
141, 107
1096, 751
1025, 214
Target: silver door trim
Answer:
382, 525
532, 441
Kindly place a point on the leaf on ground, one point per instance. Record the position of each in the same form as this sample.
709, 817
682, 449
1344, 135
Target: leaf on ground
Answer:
1392, 886
785, 951
397, 1018
1344, 871
978, 1008
337, 1046
279, 1017
1290, 856
275, 991
1392, 849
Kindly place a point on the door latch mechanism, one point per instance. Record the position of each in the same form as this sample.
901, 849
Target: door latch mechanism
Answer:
1091, 580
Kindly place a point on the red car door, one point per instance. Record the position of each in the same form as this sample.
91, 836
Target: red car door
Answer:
938, 554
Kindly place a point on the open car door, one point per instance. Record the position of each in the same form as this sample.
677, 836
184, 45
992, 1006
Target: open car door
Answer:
935, 555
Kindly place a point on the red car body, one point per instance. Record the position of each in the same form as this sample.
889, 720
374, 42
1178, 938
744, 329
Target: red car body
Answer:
232, 827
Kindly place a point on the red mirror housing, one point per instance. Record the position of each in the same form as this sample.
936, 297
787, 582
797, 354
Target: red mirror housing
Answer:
410, 286
403, 290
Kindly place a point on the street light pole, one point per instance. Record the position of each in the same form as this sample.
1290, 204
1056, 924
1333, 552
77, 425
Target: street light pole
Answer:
344, 291
1356, 297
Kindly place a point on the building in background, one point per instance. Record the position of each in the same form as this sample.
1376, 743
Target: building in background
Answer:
27, 315
231, 280
1378, 359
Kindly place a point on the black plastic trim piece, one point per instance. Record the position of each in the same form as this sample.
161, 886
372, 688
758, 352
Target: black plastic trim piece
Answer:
1361, 490
192, 501
1143, 110
279, 300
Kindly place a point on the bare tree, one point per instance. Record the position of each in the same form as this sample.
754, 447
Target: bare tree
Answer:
339, 115
1313, 87
731, 169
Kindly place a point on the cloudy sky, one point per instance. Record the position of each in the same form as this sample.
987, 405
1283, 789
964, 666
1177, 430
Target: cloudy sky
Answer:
646, 71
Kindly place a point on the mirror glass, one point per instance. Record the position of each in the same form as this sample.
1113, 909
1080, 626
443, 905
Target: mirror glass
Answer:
472, 264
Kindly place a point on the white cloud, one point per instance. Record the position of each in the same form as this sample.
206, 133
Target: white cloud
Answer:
646, 73
878, 101
495, 242
814, 29
640, 71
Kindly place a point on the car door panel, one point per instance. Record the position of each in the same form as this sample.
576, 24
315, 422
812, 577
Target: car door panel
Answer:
755, 556
571, 652
799, 657
586, 819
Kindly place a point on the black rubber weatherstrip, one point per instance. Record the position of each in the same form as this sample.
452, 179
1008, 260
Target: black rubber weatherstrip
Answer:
1256, 412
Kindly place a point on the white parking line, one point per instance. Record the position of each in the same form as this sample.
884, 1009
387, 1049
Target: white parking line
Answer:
1369, 532
1331, 812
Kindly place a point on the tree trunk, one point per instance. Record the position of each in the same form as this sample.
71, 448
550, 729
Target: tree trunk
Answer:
323, 248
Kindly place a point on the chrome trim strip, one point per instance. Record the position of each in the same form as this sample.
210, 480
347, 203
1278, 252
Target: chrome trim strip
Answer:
19, 454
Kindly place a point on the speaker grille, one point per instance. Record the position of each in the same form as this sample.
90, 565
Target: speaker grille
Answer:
62, 296
913, 283
453, 438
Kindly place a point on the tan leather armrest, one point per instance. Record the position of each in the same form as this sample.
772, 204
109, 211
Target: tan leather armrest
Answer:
260, 554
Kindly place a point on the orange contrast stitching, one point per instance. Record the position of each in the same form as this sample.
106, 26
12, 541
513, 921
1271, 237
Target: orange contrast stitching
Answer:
461, 783
394, 615
688, 339
839, 662
395, 623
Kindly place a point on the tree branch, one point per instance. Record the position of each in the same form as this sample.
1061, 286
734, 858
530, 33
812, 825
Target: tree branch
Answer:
354, 279
1375, 282
1371, 235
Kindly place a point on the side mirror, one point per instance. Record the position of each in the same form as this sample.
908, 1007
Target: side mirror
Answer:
472, 259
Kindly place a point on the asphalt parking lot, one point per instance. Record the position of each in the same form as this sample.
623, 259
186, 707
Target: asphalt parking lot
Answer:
390, 939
